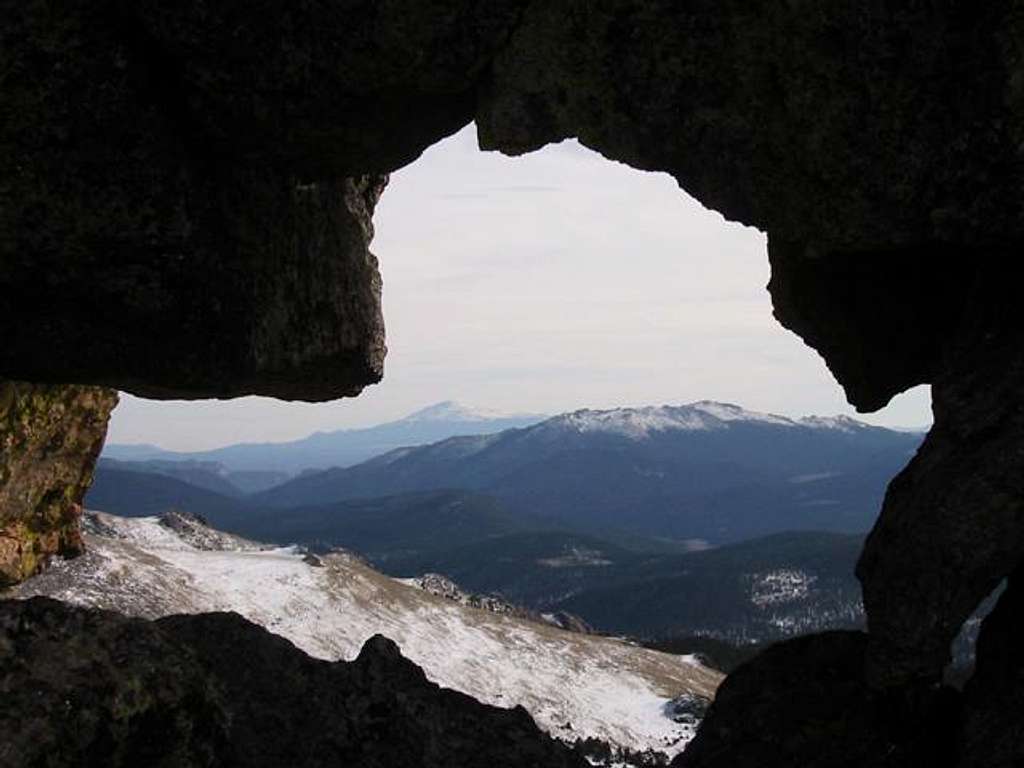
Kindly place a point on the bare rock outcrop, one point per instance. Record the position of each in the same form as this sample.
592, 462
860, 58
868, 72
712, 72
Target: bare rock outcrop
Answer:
50, 437
85, 687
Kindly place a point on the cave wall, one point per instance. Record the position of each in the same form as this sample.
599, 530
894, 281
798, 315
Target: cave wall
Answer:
186, 189
186, 196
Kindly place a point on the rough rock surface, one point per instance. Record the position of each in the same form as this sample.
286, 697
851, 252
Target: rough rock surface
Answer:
186, 190
804, 702
829, 124
50, 437
952, 524
83, 687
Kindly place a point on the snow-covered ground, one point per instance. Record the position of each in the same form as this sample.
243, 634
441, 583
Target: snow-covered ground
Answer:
574, 685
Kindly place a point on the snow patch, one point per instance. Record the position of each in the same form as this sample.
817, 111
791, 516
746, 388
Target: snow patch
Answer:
837, 423
780, 586
575, 557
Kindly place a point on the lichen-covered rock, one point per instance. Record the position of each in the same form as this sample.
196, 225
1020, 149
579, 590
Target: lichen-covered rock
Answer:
186, 189
50, 437
82, 687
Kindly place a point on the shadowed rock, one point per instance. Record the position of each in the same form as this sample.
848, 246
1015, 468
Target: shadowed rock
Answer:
993, 728
805, 702
952, 524
830, 125
186, 190
90, 688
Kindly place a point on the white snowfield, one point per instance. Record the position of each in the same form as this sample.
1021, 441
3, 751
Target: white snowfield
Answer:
702, 416
574, 685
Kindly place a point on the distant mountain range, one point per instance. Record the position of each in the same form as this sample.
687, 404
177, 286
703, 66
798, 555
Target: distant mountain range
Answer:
341, 448
700, 474
707, 471
599, 513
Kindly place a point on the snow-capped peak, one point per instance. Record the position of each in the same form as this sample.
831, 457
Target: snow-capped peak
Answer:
701, 416
725, 412
449, 410
839, 423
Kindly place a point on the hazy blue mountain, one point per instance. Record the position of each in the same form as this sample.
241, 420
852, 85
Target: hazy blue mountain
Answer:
202, 474
706, 471
211, 475
413, 525
411, 533
131, 493
340, 448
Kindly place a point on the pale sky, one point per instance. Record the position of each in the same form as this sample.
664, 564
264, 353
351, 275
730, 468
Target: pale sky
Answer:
546, 283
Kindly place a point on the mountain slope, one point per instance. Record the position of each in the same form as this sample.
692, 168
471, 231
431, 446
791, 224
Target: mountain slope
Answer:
706, 470
574, 685
410, 525
340, 448
762, 589
200, 474
381, 529
137, 494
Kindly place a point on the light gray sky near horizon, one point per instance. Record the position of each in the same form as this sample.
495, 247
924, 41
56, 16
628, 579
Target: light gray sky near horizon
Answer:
546, 283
